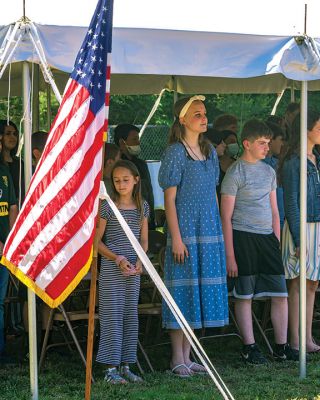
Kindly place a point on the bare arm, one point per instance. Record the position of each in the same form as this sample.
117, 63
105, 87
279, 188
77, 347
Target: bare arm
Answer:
143, 242
275, 214
13, 213
179, 249
227, 207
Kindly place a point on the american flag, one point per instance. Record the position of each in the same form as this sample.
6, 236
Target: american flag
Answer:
50, 245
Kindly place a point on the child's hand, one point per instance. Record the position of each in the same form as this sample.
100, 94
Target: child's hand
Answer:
232, 267
179, 251
138, 268
125, 266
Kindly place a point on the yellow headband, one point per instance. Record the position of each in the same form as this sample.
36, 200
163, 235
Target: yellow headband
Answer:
185, 108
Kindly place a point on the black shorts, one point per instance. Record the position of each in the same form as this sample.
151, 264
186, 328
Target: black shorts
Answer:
260, 268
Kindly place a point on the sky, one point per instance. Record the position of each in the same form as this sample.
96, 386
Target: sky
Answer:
271, 17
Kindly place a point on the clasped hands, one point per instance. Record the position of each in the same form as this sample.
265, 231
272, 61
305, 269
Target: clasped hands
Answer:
128, 269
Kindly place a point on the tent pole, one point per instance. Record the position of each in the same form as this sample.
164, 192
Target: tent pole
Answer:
303, 219
35, 99
32, 319
49, 111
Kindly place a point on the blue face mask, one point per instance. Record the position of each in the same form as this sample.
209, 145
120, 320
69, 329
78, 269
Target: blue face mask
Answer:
232, 149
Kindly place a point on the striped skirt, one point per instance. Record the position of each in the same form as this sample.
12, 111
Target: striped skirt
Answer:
292, 263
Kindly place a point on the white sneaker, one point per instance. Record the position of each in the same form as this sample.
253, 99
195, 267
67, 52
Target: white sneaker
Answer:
130, 376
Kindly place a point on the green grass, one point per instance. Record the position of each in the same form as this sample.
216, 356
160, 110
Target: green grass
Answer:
63, 377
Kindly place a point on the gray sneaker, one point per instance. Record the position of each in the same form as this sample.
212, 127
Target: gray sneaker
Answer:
129, 375
113, 377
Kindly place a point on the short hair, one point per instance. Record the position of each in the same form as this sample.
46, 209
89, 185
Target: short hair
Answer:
292, 107
121, 131
275, 119
255, 129
276, 130
111, 151
216, 137
224, 120
38, 140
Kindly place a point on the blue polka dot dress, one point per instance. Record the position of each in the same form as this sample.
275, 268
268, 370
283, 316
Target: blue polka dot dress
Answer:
199, 285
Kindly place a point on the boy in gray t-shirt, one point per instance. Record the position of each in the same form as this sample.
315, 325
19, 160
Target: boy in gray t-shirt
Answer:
251, 228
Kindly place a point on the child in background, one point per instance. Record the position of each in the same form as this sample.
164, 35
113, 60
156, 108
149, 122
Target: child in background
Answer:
251, 228
111, 156
8, 214
289, 171
194, 270
119, 280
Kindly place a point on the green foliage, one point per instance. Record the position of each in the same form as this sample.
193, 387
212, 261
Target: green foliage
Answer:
63, 378
135, 109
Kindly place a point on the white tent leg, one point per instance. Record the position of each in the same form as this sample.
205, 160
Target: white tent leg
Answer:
303, 219
28, 172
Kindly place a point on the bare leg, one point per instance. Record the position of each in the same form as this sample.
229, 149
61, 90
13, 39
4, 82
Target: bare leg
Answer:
179, 348
279, 318
293, 306
311, 292
294, 313
243, 314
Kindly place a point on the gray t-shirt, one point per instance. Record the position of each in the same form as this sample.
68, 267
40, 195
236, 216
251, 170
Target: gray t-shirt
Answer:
251, 184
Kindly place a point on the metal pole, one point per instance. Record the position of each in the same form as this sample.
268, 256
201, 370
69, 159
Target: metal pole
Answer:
35, 99
48, 107
303, 223
27, 174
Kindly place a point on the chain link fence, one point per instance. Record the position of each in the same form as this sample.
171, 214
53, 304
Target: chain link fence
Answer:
153, 141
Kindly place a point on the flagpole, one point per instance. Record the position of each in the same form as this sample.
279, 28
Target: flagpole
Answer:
32, 318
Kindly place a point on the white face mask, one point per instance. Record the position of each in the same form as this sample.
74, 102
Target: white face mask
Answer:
134, 150
233, 149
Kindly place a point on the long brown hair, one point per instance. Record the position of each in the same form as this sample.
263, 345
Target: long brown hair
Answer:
177, 131
136, 193
294, 145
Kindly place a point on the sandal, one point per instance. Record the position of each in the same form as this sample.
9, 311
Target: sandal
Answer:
175, 370
129, 375
112, 376
198, 368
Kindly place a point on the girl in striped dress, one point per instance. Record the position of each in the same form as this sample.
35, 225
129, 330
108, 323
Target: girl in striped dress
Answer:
119, 280
289, 169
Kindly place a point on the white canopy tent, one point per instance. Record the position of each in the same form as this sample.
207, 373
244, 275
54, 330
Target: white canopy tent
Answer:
144, 61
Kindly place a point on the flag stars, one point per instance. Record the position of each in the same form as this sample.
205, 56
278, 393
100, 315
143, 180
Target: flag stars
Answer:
102, 34
83, 75
95, 36
104, 8
101, 47
79, 72
99, 73
100, 60
91, 98
90, 32
99, 85
80, 60
92, 71
91, 85
93, 59
94, 47
103, 21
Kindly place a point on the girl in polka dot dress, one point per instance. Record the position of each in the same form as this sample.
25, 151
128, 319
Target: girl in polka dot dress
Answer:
195, 271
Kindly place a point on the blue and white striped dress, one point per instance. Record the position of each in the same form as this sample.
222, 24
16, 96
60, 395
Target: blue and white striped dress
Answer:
292, 263
118, 294
199, 285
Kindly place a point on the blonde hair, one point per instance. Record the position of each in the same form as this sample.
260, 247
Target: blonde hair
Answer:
177, 130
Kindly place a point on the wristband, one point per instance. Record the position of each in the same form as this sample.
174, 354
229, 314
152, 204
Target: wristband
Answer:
119, 259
